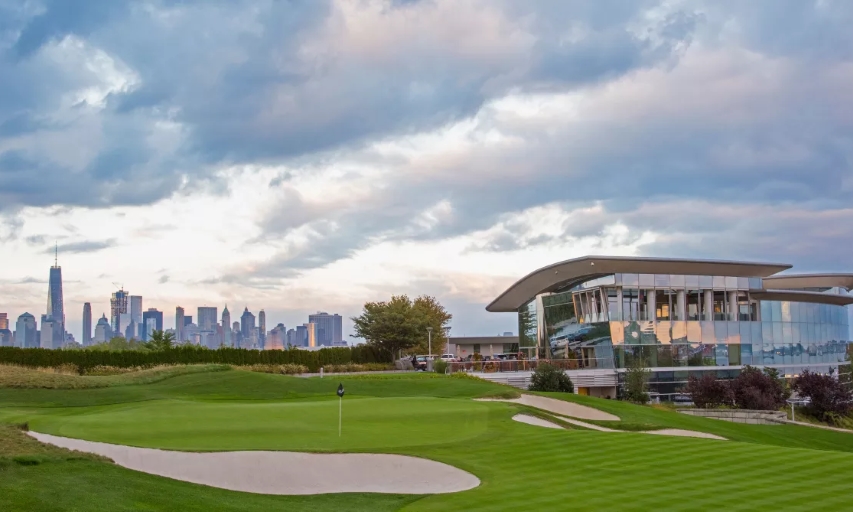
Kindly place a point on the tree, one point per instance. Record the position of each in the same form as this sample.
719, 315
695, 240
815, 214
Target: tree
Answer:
117, 344
401, 324
637, 382
430, 313
548, 377
829, 399
757, 390
708, 391
161, 340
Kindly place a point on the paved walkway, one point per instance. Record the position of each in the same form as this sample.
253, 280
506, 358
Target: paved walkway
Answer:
266, 472
825, 427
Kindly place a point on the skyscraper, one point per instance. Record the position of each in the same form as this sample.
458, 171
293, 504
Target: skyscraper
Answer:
136, 309
55, 305
4, 321
262, 328
179, 324
236, 335
226, 327
6, 338
87, 324
26, 331
152, 320
118, 307
247, 327
103, 332
311, 334
51, 333
329, 328
207, 319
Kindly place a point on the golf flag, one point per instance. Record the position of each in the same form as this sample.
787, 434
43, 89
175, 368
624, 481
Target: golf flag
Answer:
340, 406
341, 390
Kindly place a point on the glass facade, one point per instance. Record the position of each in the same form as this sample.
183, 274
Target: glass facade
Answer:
678, 322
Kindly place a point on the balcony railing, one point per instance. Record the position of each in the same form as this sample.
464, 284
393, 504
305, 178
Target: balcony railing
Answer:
526, 365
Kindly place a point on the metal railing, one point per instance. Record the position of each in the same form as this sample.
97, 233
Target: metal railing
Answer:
527, 365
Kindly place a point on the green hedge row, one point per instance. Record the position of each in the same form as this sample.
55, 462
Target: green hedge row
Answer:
40, 357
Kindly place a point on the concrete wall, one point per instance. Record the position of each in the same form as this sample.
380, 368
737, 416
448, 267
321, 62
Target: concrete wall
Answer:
740, 416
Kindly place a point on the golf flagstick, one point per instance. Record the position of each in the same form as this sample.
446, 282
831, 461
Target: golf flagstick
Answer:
340, 406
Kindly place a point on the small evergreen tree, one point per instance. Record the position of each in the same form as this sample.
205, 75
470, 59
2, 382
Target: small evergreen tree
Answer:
637, 382
548, 377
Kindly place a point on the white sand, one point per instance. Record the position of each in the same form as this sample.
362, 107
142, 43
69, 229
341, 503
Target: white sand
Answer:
561, 407
533, 420
266, 472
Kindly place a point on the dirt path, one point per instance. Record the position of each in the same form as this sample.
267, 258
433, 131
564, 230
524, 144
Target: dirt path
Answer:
267, 472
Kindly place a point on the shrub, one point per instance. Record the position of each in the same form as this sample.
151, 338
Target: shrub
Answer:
637, 382
548, 377
708, 391
754, 389
439, 366
829, 398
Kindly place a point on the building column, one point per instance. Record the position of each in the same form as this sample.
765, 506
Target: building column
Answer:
733, 306
650, 305
708, 305
681, 304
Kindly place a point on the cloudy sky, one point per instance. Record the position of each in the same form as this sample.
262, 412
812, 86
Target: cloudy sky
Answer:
302, 155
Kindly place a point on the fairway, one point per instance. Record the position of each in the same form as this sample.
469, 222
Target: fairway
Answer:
520, 466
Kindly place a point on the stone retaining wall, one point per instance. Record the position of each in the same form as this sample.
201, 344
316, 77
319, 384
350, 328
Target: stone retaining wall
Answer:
740, 415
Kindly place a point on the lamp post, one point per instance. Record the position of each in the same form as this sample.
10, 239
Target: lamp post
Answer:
429, 356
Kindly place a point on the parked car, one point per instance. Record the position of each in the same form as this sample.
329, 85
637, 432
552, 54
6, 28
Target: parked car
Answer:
448, 358
421, 363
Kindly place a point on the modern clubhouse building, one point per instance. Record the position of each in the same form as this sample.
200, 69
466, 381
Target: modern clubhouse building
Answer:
682, 317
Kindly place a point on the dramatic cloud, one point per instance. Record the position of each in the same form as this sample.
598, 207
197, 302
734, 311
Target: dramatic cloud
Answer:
307, 154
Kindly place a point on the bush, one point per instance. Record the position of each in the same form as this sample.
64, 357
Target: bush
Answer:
550, 378
757, 390
637, 383
830, 399
708, 391
189, 354
439, 366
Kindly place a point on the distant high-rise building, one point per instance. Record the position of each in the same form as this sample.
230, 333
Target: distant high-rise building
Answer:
152, 320
6, 338
103, 332
226, 327
191, 333
329, 328
4, 321
236, 335
51, 335
311, 334
277, 338
207, 317
262, 329
118, 311
188, 320
26, 331
247, 328
179, 324
136, 308
55, 304
87, 324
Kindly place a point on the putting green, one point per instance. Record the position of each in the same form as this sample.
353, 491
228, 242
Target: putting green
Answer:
302, 425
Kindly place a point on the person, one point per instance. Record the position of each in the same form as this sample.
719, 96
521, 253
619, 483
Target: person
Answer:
415, 362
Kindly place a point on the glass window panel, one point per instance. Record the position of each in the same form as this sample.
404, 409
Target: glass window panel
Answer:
647, 280
786, 312
677, 281
743, 283
755, 283
630, 280
694, 332
719, 283
795, 312
766, 311
788, 353
776, 306
778, 338
630, 304
734, 354
708, 333
706, 282
767, 332
731, 283
745, 332
644, 299
663, 332
614, 308
746, 354
663, 305
733, 332
756, 333
720, 332
691, 281
721, 305
767, 353
694, 305
661, 280
722, 355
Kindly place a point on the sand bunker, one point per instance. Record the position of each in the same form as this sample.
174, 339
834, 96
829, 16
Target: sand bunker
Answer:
560, 407
266, 472
533, 420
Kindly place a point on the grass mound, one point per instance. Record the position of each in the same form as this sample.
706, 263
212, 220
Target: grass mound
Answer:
64, 378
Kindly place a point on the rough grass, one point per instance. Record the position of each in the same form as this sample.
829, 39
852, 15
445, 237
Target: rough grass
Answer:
64, 378
16, 447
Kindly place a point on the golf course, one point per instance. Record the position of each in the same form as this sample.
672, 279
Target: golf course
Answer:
428, 416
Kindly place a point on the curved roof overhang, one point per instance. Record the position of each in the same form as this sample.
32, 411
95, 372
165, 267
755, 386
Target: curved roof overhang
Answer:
801, 296
800, 281
569, 273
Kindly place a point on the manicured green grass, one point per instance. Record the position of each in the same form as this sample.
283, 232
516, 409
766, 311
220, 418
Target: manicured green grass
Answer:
521, 467
635, 417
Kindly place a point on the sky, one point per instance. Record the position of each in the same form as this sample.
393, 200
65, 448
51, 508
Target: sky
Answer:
305, 155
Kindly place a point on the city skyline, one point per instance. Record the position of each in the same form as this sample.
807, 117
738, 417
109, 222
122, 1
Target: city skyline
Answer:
424, 148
